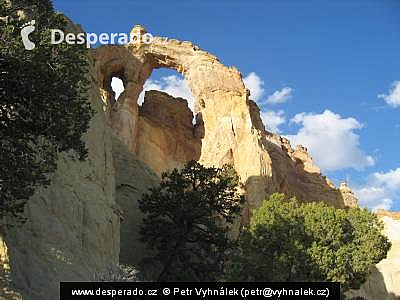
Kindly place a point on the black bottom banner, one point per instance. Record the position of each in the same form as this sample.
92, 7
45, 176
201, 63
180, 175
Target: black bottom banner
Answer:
201, 290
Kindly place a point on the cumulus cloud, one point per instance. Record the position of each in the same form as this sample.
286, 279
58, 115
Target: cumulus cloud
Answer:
255, 84
273, 119
393, 98
380, 190
331, 140
390, 179
117, 86
280, 96
172, 85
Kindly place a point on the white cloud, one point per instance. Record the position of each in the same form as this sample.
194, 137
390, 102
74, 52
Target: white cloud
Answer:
117, 86
390, 179
172, 85
255, 84
393, 98
280, 96
380, 190
331, 140
273, 119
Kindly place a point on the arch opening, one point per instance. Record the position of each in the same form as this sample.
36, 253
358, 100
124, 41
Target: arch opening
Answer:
117, 87
171, 82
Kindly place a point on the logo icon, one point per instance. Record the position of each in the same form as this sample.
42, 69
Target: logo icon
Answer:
27, 29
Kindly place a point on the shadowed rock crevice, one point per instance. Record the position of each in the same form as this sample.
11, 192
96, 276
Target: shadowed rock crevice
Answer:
133, 178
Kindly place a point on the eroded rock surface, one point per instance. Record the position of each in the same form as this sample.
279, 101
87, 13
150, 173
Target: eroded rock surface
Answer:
133, 179
229, 123
166, 137
349, 198
384, 281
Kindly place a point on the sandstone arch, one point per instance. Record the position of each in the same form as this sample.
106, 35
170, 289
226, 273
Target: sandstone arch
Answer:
216, 88
233, 131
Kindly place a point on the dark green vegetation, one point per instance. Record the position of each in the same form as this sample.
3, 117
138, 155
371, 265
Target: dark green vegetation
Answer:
186, 229
290, 241
42, 108
187, 222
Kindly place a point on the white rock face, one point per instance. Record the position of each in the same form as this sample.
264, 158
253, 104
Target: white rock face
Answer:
392, 228
384, 281
72, 230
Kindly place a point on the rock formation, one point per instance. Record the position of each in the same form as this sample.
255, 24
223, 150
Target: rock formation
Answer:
74, 228
166, 137
228, 128
383, 283
350, 200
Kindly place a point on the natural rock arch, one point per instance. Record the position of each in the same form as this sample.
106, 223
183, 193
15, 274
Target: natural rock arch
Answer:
233, 131
219, 92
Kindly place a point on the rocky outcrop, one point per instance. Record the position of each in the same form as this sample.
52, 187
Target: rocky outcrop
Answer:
166, 137
349, 198
228, 122
383, 283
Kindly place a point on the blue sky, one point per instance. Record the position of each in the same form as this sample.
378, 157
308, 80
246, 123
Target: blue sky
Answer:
325, 73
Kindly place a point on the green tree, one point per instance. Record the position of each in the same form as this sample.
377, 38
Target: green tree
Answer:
273, 247
187, 221
292, 241
42, 108
346, 243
